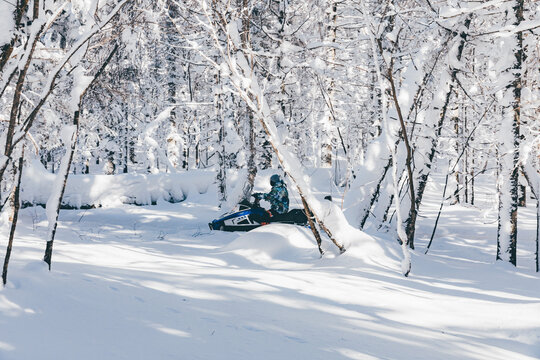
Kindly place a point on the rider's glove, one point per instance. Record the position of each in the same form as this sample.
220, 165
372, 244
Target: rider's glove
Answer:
257, 196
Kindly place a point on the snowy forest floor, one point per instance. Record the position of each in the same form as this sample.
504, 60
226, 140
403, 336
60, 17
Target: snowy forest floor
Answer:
152, 282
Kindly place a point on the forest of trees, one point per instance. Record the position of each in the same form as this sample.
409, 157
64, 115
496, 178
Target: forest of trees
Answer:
382, 92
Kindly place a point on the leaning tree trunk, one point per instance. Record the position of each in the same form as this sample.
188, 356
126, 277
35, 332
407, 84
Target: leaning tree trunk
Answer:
375, 192
440, 109
16, 207
59, 186
311, 222
509, 147
408, 162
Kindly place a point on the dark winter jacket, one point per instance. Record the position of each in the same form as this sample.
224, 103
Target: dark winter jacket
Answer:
278, 198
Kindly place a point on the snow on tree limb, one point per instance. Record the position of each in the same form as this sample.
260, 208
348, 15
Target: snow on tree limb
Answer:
51, 79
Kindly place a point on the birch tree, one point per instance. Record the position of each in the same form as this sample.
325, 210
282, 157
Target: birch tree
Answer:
509, 143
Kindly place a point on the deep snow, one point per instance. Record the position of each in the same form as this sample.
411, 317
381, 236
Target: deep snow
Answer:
152, 282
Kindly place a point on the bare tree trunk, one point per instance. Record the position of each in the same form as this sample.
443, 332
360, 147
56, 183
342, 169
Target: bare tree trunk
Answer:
439, 213
532, 177
457, 173
409, 230
408, 163
508, 180
375, 194
537, 233
245, 38
327, 146
252, 166
125, 155
472, 177
59, 187
311, 222
36, 9
222, 173
16, 207
62, 174
465, 158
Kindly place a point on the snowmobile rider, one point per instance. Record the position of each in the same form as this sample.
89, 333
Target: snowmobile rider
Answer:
278, 197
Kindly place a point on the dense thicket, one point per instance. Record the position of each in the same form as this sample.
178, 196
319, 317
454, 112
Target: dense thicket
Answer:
382, 92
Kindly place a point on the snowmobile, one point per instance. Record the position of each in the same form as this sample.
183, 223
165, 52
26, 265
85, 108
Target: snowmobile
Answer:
250, 215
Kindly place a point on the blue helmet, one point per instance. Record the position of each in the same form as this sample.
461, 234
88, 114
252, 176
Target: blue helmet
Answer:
274, 179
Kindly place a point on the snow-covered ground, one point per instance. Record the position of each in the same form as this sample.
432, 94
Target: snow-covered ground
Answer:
152, 282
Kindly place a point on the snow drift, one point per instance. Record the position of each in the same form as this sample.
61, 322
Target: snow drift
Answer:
88, 191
